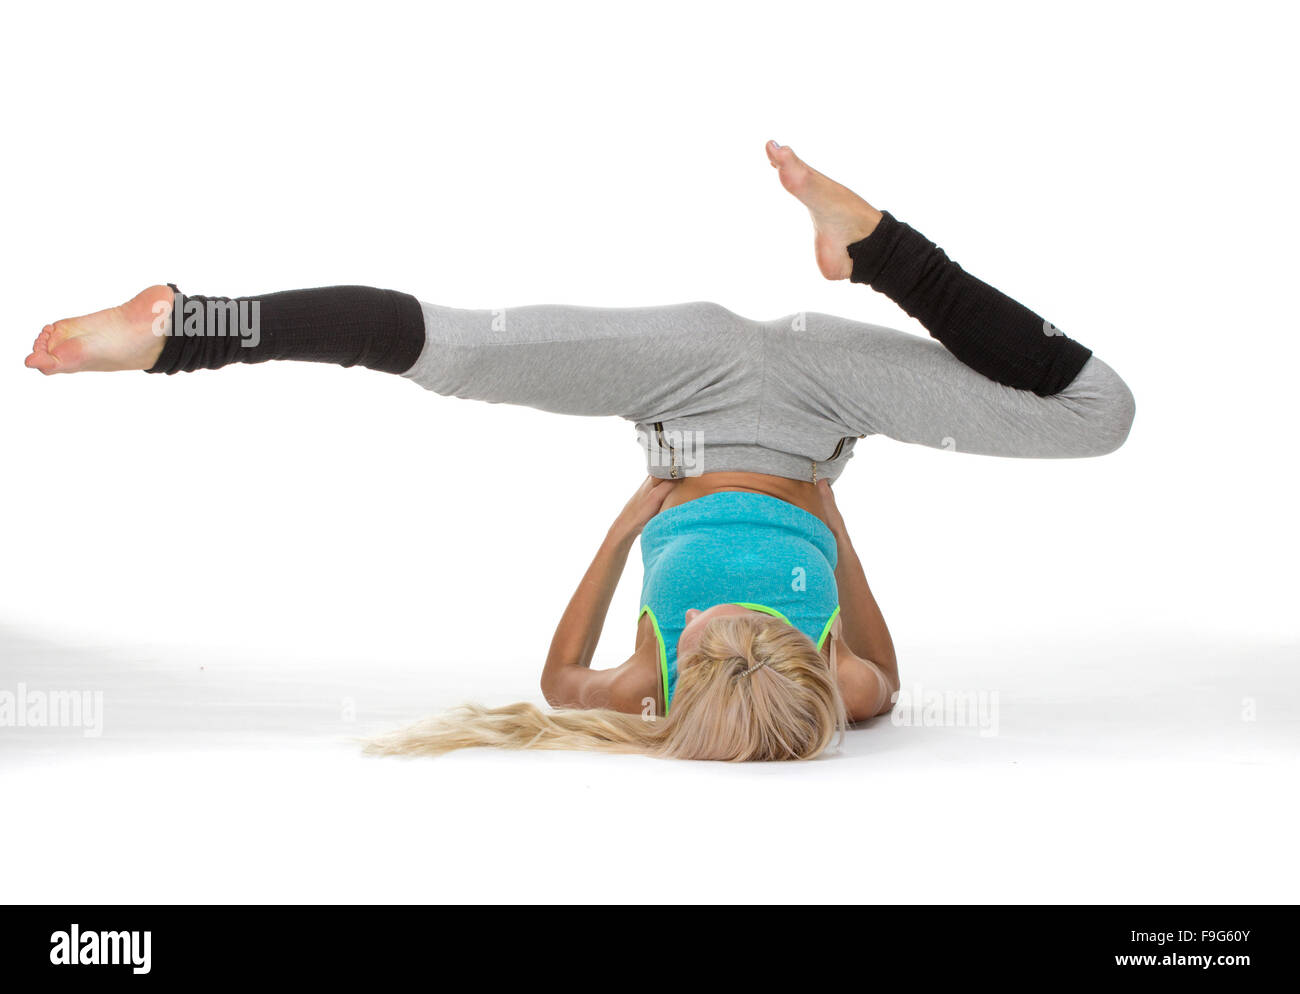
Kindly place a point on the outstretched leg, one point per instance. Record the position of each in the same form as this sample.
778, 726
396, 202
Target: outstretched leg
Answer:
645, 364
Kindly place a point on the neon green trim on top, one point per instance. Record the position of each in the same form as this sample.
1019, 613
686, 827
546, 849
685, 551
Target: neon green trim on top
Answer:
821, 639
663, 655
764, 608
827, 630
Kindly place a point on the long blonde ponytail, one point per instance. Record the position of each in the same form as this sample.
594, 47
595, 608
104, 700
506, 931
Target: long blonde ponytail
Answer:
756, 689
521, 726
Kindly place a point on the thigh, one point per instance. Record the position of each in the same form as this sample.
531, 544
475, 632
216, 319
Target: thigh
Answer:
865, 379
645, 364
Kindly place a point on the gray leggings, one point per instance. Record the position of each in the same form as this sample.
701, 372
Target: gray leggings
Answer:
709, 390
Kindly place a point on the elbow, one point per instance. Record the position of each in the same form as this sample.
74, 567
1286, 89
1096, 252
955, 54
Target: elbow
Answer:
550, 691
563, 687
891, 691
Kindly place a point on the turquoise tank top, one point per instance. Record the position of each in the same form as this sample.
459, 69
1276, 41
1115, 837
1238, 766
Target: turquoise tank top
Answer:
736, 547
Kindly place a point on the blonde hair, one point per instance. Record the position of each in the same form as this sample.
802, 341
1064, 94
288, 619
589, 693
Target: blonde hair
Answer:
755, 689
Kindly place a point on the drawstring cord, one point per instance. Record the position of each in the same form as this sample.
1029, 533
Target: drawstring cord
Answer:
834, 455
672, 452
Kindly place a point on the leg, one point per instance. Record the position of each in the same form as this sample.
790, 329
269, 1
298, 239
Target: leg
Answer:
161, 330
996, 378
644, 364
868, 380
635, 363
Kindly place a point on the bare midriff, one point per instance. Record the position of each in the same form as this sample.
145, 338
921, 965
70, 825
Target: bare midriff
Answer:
796, 492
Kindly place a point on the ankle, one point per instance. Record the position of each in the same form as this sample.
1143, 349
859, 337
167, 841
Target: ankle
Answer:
866, 221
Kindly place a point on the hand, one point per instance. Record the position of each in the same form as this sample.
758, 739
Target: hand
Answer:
830, 512
643, 506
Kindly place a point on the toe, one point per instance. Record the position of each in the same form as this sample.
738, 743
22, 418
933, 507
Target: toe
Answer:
793, 172
780, 155
42, 360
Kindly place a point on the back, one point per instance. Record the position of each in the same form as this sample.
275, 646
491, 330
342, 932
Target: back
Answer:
736, 547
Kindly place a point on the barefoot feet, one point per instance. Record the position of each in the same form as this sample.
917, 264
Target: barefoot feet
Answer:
121, 337
840, 217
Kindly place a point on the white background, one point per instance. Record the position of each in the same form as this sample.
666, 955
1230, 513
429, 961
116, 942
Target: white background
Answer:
239, 559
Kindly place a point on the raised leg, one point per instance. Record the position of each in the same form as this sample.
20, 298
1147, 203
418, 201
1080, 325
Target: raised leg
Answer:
866, 380
996, 378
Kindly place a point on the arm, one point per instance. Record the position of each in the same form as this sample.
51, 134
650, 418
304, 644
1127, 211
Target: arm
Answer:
867, 664
567, 678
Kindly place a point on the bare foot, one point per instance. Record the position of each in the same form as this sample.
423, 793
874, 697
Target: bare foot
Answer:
117, 338
840, 217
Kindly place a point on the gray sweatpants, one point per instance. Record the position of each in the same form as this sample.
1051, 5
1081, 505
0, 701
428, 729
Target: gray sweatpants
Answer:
709, 390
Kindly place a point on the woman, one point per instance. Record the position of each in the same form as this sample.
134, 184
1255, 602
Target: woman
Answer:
758, 636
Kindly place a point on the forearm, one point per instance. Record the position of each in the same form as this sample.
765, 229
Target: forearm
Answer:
863, 629
578, 632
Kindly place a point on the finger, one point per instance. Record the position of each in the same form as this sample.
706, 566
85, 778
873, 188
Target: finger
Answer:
660, 493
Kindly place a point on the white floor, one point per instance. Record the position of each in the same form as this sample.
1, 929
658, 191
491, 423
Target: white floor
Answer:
1137, 768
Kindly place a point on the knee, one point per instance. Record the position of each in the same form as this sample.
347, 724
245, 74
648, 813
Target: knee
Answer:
1113, 410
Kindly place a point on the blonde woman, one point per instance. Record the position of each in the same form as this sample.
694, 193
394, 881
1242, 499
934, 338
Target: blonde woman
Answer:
758, 636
